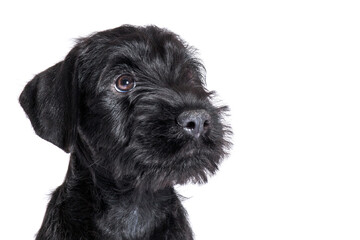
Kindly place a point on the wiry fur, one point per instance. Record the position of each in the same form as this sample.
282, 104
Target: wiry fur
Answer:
127, 150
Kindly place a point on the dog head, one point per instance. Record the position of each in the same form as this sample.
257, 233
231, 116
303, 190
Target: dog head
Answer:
134, 99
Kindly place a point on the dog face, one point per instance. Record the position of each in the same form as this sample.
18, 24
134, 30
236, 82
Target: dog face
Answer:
133, 99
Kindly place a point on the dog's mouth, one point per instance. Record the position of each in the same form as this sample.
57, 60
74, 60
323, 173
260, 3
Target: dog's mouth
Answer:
192, 149
183, 161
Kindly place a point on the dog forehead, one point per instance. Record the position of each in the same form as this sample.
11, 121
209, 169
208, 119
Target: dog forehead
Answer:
151, 38
157, 54
132, 41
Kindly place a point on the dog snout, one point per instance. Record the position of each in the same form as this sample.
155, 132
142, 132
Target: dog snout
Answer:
194, 122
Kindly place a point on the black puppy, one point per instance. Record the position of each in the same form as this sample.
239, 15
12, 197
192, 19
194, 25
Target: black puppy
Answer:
130, 106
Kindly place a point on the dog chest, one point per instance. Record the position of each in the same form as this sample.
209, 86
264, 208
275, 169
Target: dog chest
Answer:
134, 220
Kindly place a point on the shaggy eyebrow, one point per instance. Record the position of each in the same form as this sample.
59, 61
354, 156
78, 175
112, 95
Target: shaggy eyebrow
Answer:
123, 60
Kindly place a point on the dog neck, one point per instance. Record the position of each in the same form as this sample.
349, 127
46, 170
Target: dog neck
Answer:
104, 184
115, 204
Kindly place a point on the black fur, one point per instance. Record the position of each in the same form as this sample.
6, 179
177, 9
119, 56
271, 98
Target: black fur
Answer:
127, 148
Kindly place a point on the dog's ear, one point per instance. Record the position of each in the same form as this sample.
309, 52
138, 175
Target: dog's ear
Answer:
50, 101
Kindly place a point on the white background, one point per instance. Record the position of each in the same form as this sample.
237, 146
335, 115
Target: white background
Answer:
289, 71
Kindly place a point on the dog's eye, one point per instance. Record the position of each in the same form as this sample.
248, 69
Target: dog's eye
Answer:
124, 83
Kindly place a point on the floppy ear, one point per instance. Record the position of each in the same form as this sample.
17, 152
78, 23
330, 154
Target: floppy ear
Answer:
50, 100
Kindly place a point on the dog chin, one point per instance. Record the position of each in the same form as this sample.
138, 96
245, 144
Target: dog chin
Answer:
197, 167
194, 167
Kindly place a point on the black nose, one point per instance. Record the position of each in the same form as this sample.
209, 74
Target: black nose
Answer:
195, 122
